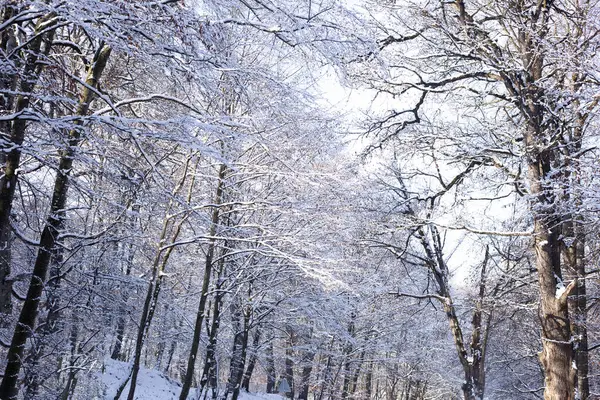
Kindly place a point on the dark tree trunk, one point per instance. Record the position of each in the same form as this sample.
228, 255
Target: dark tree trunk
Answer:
121, 319
11, 151
348, 350
289, 360
159, 265
208, 265
574, 254
356, 375
270, 367
46, 330
307, 362
326, 377
48, 241
75, 350
240, 347
252, 361
209, 379
369, 382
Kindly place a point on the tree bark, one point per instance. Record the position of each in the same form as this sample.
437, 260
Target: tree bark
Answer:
574, 243
326, 377
557, 355
557, 348
348, 350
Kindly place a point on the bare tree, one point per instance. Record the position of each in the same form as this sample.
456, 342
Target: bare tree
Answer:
503, 56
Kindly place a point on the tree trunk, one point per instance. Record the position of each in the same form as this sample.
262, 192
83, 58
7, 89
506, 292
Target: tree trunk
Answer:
348, 350
557, 348
270, 367
326, 378
356, 374
46, 330
50, 233
289, 360
574, 251
471, 359
578, 312
189, 374
75, 350
369, 382
542, 154
252, 361
308, 359
12, 150
209, 377
240, 347
159, 265
121, 319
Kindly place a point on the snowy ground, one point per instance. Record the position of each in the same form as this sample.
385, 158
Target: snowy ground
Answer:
152, 385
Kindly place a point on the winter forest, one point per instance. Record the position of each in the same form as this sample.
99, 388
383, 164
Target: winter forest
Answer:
302, 199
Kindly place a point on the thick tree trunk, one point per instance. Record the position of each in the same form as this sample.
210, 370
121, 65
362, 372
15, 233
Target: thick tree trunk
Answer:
557, 347
50, 233
542, 154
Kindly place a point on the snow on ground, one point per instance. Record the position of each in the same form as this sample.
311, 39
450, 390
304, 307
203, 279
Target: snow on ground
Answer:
153, 385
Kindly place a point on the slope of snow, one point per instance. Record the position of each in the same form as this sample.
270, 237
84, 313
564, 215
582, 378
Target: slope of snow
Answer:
152, 385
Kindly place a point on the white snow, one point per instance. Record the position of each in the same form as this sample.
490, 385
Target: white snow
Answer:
560, 289
153, 385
